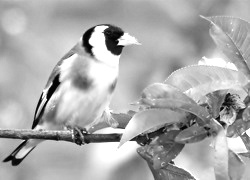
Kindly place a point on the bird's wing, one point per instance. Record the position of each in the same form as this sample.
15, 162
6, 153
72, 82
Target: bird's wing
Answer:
50, 88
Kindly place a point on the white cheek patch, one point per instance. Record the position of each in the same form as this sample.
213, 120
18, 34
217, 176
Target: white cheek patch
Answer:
99, 48
97, 37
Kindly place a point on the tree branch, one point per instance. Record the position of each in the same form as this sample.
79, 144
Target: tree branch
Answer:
67, 135
64, 135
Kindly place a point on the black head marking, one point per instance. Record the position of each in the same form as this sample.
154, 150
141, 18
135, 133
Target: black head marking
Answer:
85, 39
112, 34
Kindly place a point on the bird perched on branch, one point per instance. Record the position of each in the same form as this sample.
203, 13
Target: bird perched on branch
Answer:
80, 86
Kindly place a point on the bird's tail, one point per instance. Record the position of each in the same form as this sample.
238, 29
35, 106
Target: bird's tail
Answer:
17, 156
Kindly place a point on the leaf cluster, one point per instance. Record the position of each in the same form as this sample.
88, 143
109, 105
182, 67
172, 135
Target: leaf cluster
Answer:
207, 100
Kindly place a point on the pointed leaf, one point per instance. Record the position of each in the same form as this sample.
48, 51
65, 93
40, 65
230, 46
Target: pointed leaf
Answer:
219, 62
246, 140
166, 149
168, 172
238, 127
232, 36
121, 118
171, 172
236, 166
161, 156
148, 119
198, 80
160, 95
247, 154
174, 104
164, 91
246, 114
221, 155
192, 134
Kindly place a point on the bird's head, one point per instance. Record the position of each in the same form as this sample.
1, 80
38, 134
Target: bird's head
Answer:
105, 42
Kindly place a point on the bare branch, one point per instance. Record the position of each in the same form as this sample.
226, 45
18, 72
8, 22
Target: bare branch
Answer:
67, 135
56, 135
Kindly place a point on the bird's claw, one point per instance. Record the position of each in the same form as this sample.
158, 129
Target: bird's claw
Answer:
79, 134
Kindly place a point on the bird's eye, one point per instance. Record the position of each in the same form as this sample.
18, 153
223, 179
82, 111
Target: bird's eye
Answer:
107, 33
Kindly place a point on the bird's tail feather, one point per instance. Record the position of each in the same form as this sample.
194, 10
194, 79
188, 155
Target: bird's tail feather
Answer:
17, 156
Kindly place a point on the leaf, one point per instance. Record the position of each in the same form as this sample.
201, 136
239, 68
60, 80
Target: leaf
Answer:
221, 155
198, 80
192, 134
232, 36
215, 100
148, 119
171, 172
164, 91
236, 166
247, 154
217, 62
160, 95
164, 149
246, 140
238, 127
168, 172
121, 118
246, 114
181, 105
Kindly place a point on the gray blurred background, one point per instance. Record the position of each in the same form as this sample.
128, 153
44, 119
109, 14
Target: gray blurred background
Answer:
34, 35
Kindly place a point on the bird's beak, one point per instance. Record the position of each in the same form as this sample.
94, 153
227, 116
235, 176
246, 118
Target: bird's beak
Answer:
126, 40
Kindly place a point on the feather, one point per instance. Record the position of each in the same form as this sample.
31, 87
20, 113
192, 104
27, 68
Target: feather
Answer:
51, 86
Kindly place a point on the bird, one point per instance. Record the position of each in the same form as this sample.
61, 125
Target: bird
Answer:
79, 89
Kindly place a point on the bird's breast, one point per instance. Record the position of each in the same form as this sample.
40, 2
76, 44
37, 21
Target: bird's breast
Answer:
85, 97
103, 76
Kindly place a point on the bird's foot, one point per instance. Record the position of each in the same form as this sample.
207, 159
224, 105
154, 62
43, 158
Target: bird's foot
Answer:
79, 134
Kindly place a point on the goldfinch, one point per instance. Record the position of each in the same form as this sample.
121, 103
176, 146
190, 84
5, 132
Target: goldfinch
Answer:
80, 86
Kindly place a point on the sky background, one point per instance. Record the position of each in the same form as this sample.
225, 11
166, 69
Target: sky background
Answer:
34, 35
